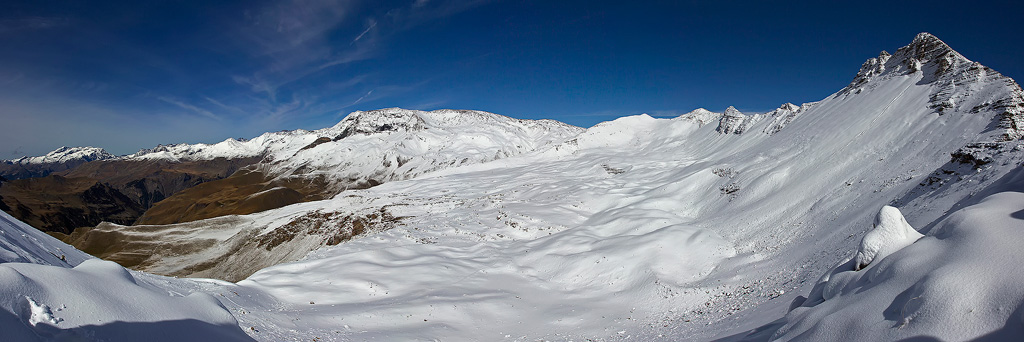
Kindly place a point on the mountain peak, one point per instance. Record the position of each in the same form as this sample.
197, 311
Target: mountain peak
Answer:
380, 120
928, 48
65, 154
732, 111
925, 37
926, 53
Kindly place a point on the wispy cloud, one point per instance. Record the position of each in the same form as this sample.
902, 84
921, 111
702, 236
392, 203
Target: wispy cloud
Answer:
373, 23
32, 23
222, 105
360, 99
189, 107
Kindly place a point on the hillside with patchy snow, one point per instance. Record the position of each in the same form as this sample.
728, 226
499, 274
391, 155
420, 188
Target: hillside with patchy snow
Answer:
803, 223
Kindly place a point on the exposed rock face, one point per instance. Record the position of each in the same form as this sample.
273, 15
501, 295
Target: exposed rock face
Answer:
734, 122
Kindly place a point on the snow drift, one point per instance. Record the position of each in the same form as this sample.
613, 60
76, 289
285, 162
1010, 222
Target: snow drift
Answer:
959, 283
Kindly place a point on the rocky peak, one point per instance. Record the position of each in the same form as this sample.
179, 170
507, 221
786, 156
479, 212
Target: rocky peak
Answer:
733, 122
701, 116
926, 53
927, 47
781, 117
380, 120
955, 82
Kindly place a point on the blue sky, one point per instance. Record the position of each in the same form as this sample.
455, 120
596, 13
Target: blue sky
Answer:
125, 75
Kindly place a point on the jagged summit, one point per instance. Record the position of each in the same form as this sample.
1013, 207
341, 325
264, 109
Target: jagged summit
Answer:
926, 53
732, 121
957, 84
926, 46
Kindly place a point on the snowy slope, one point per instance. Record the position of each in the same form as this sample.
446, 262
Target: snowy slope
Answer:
958, 283
700, 227
697, 227
66, 154
373, 147
50, 291
477, 131
20, 242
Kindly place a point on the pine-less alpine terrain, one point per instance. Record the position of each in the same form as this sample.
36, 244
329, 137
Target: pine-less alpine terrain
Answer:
886, 211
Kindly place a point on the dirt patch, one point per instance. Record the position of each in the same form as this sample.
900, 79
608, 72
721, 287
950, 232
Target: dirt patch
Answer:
199, 249
335, 227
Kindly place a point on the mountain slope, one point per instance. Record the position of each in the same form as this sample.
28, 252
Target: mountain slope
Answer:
50, 291
363, 150
113, 190
650, 227
702, 227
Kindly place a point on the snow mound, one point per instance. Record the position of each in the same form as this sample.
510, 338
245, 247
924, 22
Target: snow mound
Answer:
891, 233
958, 283
101, 301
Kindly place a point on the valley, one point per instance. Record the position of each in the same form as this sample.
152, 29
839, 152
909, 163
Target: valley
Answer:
401, 224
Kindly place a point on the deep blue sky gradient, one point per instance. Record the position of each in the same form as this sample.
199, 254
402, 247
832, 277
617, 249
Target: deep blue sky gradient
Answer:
125, 75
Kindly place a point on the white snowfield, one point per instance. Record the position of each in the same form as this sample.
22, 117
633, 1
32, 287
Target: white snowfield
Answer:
709, 226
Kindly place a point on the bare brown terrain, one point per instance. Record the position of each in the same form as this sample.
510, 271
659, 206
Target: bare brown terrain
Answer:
245, 192
59, 204
116, 191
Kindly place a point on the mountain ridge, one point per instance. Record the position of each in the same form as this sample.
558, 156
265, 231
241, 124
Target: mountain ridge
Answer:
707, 226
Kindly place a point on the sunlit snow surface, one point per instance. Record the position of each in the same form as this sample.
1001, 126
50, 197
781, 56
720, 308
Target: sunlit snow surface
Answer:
645, 229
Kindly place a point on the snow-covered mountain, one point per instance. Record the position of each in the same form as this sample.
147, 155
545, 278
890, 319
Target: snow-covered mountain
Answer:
279, 168
702, 227
66, 154
61, 159
391, 144
363, 150
506, 135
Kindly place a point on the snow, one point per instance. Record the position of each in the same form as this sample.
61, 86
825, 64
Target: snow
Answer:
40, 313
637, 228
891, 232
20, 242
958, 283
50, 291
66, 154
99, 300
